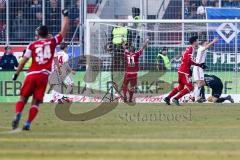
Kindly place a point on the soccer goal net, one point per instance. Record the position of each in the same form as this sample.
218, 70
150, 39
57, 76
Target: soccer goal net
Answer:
156, 77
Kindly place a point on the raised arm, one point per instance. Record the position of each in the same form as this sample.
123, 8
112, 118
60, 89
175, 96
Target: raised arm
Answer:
65, 23
145, 44
211, 43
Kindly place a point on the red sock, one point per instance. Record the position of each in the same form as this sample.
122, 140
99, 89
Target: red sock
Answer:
32, 113
19, 106
125, 89
131, 95
182, 93
173, 92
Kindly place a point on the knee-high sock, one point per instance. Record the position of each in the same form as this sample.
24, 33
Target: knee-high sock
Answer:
32, 113
19, 107
131, 92
125, 89
182, 93
196, 92
173, 92
202, 92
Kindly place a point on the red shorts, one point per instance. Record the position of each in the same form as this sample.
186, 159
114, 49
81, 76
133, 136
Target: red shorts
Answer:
185, 80
130, 78
35, 85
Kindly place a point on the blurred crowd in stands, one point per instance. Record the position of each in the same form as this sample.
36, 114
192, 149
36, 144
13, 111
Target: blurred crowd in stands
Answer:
195, 9
26, 15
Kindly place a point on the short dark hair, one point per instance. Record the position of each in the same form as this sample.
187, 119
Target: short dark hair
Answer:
42, 31
203, 41
193, 39
63, 45
7, 47
164, 49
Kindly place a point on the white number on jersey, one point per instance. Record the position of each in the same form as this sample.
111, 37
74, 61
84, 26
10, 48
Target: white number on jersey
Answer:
131, 61
43, 53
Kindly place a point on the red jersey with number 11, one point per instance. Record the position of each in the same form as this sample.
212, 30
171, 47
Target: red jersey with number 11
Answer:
132, 61
42, 53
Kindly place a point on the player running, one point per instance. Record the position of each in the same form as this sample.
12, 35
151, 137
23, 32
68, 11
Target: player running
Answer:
185, 85
131, 60
56, 81
35, 83
198, 74
216, 85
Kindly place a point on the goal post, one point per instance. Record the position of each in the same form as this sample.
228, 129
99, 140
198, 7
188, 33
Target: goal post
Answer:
223, 58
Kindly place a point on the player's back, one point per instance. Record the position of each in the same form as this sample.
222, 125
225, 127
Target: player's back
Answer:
201, 55
186, 61
42, 52
132, 61
62, 57
213, 81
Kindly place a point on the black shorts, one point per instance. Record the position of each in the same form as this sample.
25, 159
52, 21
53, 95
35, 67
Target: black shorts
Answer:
216, 93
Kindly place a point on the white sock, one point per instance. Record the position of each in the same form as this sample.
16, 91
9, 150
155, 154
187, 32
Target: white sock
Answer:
197, 92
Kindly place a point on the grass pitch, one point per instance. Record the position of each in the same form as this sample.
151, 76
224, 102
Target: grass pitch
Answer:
144, 131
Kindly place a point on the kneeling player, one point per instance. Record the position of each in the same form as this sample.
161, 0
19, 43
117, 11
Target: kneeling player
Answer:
216, 85
131, 61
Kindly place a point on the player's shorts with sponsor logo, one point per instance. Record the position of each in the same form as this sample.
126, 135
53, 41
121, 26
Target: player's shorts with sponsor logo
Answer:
130, 78
198, 73
35, 85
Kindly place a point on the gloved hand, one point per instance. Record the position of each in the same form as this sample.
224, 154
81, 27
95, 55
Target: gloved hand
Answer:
203, 66
65, 12
14, 77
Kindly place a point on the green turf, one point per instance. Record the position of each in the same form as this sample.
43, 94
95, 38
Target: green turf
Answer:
207, 132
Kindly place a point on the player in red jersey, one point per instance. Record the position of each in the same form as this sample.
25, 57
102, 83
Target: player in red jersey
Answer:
185, 85
131, 60
35, 83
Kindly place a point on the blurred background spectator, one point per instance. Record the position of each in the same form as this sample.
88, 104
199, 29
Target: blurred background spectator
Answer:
19, 27
74, 17
231, 3
201, 8
8, 60
53, 14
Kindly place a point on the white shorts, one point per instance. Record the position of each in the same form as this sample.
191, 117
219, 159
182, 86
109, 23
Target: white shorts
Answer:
198, 74
68, 80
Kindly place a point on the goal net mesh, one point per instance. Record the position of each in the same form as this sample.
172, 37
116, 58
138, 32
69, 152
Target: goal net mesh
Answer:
153, 78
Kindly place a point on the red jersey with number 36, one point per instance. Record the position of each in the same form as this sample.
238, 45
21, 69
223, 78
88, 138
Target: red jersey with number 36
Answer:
42, 53
132, 61
187, 61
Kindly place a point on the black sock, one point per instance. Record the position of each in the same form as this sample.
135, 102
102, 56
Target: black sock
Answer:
220, 100
202, 92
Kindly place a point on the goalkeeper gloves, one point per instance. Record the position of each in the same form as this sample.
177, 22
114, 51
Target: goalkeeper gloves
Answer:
14, 77
65, 12
203, 66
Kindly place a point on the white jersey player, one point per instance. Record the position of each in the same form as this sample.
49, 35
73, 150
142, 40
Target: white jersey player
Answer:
198, 73
62, 58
